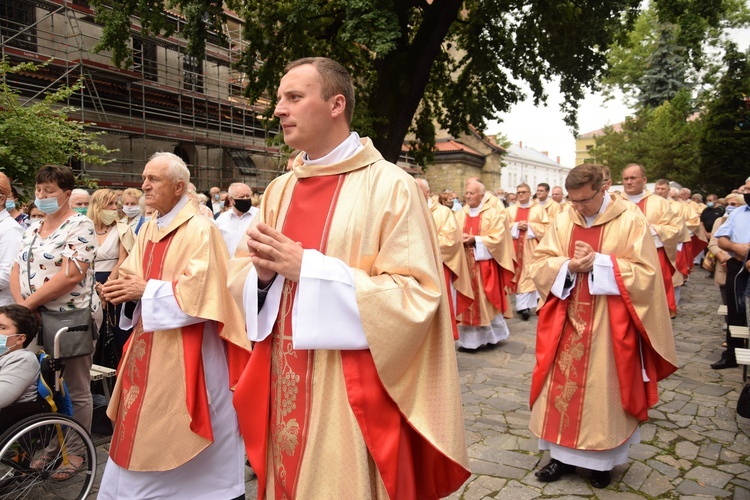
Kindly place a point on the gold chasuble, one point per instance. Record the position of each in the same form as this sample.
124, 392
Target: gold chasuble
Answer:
491, 278
552, 208
671, 230
159, 403
375, 423
588, 390
454, 260
524, 247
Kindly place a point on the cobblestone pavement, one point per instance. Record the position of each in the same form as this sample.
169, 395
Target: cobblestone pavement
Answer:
694, 446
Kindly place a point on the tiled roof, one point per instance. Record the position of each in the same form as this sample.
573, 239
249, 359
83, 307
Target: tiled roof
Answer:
617, 127
453, 146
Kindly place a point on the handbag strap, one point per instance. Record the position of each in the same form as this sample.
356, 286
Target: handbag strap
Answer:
28, 270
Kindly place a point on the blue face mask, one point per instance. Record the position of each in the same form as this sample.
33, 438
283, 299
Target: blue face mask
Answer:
10, 204
710, 204
729, 209
82, 210
47, 205
3, 342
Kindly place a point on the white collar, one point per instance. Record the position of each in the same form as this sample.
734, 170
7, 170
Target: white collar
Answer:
473, 212
605, 203
167, 219
635, 198
351, 146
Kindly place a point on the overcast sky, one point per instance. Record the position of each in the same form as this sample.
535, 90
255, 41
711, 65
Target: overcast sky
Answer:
543, 129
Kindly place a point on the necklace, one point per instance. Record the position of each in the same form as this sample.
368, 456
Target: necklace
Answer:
103, 232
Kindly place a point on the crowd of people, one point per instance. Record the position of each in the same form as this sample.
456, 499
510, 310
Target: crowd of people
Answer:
319, 326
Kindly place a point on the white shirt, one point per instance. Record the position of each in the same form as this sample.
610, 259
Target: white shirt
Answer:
233, 227
10, 243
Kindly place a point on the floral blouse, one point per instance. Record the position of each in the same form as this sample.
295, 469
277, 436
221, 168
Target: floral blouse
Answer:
75, 240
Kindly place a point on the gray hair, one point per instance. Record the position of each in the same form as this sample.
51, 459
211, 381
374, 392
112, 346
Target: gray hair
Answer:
232, 192
79, 191
176, 168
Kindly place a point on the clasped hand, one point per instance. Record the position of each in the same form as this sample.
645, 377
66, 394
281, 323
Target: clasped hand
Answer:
273, 253
125, 289
583, 258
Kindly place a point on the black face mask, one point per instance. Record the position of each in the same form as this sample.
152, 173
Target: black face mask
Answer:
747, 198
243, 205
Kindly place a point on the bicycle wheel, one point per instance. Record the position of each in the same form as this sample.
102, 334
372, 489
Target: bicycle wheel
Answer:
28, 469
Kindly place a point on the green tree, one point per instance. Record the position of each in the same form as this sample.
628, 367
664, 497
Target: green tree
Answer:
664, 140
33, 134
695, 27
416, 62
725, 142
666, 71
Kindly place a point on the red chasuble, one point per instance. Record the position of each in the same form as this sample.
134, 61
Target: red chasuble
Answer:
522, 214
406, 461
667, 270
568, 329
487, 272
135, 374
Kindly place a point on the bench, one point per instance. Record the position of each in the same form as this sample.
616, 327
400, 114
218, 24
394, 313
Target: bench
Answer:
100, 373
738, 332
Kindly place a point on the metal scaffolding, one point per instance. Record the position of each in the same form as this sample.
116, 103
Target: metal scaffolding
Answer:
166, 101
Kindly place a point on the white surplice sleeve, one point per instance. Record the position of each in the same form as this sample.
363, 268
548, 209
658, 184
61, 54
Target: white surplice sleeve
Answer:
602, 278
325, 313
160, 310
559, 288
260, 323
480, 251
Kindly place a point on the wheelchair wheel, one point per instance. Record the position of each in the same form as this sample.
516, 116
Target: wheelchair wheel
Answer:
28, 466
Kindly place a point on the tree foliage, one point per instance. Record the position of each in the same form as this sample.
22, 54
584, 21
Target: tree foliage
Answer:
416, 63
664, 140
696, 30
33, 134
725, 142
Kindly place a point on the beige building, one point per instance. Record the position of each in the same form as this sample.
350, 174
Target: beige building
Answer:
167, 101
586, 142
456, 160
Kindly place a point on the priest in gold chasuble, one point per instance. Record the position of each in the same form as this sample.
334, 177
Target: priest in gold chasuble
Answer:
457, 279
175, 430
352, 387
667, 227
489, 255
528, 221
604, 336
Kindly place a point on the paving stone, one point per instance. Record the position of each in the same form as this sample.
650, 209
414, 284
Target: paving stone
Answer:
642, 451
656, 484
709, 476
672, 471
636, 475
741, 493
686, 450
690, 487
517, 491
483, 487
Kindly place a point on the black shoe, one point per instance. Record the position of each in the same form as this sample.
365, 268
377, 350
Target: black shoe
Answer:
725, 362
525, 314
600, 478
553, 471
466, 349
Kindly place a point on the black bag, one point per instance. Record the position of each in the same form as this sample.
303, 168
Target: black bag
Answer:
743, 404
73, 343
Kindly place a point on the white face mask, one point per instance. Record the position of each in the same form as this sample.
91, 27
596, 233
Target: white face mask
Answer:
108, 217
131, 210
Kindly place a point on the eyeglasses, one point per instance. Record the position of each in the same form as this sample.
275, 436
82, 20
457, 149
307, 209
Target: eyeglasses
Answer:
583, 202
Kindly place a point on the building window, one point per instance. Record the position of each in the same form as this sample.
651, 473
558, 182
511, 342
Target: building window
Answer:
144, 59
589, 147
193, 68
243, 161
16, 24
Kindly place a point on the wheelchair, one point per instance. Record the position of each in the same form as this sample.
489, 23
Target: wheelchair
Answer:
32, 449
